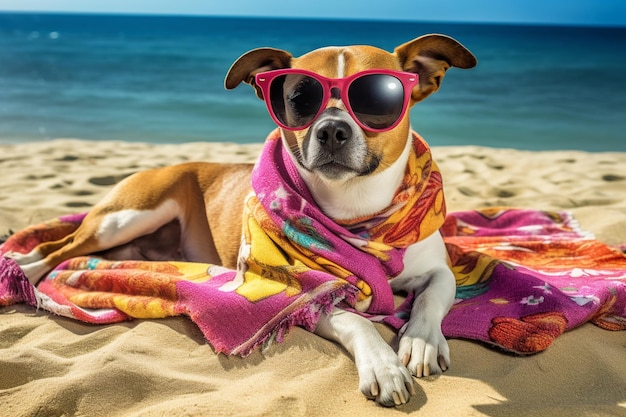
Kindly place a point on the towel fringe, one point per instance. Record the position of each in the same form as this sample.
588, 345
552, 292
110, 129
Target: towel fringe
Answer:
575, 225
305, 317
14, 285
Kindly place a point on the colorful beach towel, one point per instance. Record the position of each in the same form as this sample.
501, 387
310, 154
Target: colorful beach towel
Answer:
523, 276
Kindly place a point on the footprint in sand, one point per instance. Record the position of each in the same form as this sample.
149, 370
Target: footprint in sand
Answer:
108, 180
78, 204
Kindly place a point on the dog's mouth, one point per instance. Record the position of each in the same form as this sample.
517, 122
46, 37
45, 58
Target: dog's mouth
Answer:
336, 168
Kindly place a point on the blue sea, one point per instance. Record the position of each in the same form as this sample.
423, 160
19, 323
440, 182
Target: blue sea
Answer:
159, 79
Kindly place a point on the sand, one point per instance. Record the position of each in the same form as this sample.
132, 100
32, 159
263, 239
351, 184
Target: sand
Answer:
51, 366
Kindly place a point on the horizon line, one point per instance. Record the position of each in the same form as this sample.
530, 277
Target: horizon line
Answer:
321, 18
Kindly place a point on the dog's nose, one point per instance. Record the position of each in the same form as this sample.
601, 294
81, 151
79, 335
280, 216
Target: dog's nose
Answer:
332, 134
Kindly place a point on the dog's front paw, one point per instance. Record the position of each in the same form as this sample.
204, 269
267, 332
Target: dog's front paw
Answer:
383, 378
424, 353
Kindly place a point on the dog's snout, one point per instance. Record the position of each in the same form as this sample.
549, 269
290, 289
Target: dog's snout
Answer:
332, 134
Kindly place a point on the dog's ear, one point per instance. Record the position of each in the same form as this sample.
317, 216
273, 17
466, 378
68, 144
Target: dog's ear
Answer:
430, 56
253, 62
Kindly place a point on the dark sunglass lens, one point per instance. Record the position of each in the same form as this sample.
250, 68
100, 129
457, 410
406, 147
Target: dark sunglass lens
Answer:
295, 99
377, 99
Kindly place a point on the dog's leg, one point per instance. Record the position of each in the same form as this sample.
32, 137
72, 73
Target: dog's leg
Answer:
99, 231
423, 348
381, 374
34, 264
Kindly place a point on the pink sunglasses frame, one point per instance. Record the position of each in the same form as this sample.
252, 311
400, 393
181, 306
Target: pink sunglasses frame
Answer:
408, 80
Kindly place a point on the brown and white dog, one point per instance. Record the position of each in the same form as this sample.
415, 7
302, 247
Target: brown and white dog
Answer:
178, 212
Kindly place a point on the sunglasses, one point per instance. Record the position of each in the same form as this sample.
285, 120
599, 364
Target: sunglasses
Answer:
376, 99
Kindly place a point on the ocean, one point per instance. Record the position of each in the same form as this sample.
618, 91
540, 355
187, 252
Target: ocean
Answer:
159, 79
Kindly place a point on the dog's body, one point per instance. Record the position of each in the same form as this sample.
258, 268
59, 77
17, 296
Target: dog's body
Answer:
178, 212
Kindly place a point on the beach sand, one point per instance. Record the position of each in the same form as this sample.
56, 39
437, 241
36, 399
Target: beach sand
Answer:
52, 366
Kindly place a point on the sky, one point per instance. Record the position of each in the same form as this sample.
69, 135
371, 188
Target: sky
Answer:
559, 12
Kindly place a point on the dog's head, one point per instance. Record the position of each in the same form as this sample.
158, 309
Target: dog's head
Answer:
344, 110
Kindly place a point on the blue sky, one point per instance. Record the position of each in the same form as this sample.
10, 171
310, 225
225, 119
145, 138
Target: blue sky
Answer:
567, 12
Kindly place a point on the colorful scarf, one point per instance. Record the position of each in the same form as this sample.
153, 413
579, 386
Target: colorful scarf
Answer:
286, 236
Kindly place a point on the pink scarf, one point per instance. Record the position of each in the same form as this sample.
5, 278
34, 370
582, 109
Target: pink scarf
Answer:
287, 235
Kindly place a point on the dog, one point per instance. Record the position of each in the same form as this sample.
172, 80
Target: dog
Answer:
343, 114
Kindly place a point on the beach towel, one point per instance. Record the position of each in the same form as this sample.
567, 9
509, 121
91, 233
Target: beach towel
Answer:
523, 276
